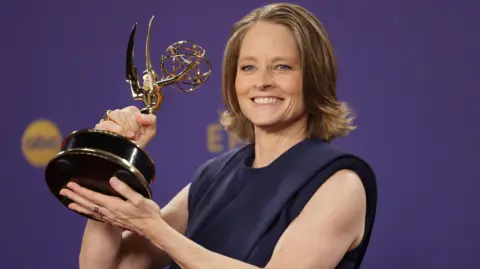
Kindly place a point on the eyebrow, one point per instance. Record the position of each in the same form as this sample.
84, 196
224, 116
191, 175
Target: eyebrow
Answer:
247, 58
275, 59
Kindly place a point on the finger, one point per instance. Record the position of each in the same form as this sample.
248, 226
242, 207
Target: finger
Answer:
131, 121
88, 198
114, 116
78, 199
132, 196
118, 117
80, 209
126, 119
147, 119
133, 109
83, 206
110, 126
132, 116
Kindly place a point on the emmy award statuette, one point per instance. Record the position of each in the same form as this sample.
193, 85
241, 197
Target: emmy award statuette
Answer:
91, 157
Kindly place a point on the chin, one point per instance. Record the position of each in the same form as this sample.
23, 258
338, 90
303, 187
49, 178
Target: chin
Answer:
267, 123
272, 123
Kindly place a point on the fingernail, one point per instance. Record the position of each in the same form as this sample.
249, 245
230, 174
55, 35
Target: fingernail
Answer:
130, 134
114, 181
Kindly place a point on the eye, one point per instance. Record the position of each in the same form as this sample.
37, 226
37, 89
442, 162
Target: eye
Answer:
283, 67
247, 68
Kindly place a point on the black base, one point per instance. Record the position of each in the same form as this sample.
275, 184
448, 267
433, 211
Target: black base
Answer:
91, 157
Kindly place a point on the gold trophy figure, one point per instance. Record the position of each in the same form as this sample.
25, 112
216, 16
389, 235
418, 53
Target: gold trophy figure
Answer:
91, 157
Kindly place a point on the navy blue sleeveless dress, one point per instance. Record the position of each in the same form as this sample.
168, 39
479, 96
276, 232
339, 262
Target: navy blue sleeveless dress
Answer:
241, 212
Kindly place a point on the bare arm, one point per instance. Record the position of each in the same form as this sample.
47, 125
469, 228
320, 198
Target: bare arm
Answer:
104, 246
331, 223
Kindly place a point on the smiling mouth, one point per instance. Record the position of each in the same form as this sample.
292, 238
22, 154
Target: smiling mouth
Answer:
266, 100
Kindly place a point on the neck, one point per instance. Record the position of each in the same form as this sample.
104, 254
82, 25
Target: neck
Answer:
270, 145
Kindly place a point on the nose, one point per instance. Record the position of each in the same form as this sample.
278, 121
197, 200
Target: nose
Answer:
264, 80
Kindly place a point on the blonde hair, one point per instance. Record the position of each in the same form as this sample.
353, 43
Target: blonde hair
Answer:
327, 117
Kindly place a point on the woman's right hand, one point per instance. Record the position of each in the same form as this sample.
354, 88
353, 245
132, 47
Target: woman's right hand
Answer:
130, 123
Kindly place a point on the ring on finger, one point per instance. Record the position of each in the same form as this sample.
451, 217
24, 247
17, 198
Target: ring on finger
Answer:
106, 116
96, 208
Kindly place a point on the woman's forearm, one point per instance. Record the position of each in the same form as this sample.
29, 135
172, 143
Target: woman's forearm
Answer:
106, 246
188, 254
100, 246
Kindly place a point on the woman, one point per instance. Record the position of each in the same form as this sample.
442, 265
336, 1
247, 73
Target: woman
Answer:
288, 199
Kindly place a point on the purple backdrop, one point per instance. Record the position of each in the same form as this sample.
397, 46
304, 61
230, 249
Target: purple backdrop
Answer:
409, 68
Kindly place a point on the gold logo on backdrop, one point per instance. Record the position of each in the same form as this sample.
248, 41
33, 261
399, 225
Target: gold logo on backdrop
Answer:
219, 140
41, 140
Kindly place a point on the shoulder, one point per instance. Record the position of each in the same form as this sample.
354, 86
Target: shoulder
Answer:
341, 177
344, 185
320, 157
345, 167
342, 192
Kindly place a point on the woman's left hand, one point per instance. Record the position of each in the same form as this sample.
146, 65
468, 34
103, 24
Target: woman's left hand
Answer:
137, 214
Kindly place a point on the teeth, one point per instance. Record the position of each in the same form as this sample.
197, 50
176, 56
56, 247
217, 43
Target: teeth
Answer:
266, 100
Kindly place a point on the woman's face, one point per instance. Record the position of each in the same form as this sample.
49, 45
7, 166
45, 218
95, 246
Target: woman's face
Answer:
269, 77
